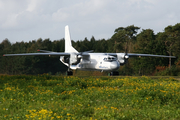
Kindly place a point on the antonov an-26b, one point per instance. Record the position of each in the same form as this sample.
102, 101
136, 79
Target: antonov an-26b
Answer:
88, 60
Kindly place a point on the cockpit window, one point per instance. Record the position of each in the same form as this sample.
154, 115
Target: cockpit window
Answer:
109, 59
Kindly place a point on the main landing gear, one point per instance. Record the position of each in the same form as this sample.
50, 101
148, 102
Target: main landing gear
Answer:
114, 73
69, 73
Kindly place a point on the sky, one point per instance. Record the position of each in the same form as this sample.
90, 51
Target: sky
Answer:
27, 20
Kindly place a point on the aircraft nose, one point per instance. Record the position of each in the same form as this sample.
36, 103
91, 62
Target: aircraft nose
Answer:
115, 65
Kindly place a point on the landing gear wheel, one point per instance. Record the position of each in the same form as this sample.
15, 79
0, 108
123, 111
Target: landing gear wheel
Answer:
69, 73
114, 73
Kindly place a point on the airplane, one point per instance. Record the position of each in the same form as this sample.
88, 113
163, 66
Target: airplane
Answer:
89, 60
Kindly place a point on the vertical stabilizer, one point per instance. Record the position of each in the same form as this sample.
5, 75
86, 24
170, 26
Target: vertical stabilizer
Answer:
68, 45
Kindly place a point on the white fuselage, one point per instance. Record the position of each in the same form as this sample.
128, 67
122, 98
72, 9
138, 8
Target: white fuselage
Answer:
96, 61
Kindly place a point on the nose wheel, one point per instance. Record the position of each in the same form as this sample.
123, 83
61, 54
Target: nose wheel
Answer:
114, 73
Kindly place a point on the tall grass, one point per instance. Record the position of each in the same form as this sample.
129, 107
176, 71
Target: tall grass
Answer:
58, 97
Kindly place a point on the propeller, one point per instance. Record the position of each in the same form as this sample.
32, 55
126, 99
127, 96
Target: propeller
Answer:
81, 53
126, 56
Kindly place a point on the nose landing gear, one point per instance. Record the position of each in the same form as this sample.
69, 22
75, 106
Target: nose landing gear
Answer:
113, 73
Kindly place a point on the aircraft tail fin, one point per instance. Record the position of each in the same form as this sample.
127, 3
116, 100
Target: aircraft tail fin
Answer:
68, 45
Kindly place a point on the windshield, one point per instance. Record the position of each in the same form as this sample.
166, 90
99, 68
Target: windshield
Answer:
109, 59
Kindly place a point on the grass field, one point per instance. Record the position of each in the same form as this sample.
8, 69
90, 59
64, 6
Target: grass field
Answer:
58, 97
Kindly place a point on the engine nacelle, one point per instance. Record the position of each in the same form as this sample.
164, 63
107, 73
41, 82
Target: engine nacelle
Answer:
73, 58
122, 58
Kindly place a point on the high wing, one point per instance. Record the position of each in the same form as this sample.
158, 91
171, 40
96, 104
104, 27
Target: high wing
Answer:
148, 55
127, 55
45, 51
30, 54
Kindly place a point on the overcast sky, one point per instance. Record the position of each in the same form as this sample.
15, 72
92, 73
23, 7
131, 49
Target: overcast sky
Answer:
26, 20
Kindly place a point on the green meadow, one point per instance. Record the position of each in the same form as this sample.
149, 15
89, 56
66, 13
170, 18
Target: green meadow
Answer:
49, 97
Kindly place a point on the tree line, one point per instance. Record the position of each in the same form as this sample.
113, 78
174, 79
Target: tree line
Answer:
124, 39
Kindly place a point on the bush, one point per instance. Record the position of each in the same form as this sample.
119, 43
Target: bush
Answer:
173, 71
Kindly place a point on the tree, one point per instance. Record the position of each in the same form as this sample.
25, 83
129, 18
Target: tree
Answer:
5, 62
146, 43
123, 37
92, 43
172, 40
